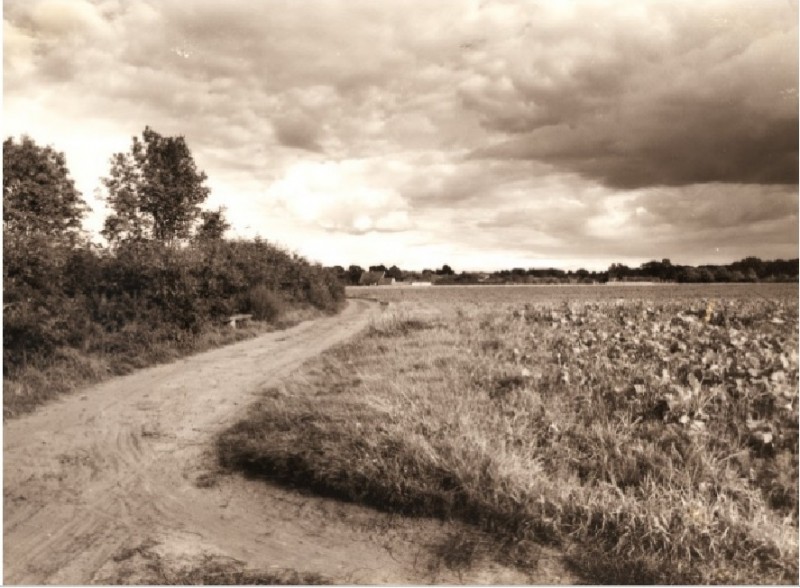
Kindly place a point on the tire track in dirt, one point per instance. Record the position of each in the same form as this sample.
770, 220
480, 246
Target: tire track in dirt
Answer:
112, 458
93, 477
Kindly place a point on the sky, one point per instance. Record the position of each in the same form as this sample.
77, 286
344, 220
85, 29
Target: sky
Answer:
479, 134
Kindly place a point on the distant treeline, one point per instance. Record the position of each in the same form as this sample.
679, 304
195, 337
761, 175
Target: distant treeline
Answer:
749, 269
165, 275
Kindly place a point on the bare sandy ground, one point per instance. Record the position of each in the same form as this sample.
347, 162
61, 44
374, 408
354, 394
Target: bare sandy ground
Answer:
104, 482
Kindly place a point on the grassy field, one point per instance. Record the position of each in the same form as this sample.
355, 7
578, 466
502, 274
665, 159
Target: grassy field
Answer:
650, 432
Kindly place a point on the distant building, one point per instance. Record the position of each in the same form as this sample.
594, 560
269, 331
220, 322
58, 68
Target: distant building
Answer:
371, 278
386, 281
634, 282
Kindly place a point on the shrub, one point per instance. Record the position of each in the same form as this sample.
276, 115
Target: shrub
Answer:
152, 286
264, 304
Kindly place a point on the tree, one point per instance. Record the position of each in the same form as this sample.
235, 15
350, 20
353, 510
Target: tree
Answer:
618, 270
42, 214
340, 273
722, 274
212, 226
155, 190
704, 275
445, 271
395, 272
737, 276
354, 273
751, 266
38, 194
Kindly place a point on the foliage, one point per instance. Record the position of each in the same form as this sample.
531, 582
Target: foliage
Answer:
154, 190
264, 304
213, 225
38, 194
66, 299
153, 287
750, 269
395, 272
120, 308
354, 274
42, 213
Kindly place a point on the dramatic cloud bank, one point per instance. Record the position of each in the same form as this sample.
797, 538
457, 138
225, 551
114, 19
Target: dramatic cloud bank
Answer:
476, 133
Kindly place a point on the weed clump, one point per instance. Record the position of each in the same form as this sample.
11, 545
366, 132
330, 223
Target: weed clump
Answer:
264, 304
206, 570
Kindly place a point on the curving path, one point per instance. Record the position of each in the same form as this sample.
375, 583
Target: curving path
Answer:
96, 479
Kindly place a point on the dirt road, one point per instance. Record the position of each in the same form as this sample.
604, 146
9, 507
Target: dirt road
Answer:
101, 484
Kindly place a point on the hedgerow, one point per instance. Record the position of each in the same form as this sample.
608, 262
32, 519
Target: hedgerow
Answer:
165, 277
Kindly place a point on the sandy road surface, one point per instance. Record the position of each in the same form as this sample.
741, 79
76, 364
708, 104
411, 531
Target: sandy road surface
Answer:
96, 479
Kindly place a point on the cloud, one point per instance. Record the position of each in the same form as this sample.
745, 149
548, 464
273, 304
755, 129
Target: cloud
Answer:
701, 145
648, 105
18, 49
694, 224
716, 206
60, 18
470, 129
298, 131
343, 196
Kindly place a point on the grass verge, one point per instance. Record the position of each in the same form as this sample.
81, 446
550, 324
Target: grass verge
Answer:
653, 442
68, 369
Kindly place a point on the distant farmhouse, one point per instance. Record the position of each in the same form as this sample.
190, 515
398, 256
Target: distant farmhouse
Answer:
370, 278
375, 279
